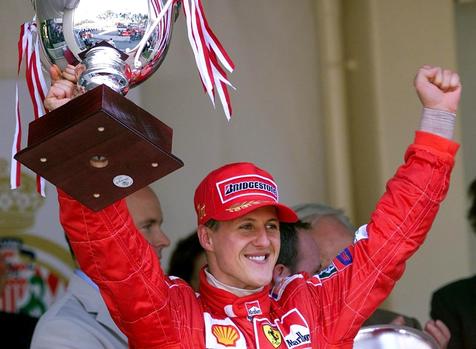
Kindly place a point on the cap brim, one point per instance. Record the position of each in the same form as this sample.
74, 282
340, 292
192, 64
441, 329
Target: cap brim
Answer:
285, 214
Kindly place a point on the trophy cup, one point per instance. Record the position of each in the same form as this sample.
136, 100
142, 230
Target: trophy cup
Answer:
393, 337
100, 146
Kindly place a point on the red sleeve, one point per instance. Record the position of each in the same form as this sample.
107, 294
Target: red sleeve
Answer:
363, 275
114, 254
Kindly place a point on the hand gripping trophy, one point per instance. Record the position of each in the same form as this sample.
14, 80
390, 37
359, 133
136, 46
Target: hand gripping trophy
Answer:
100, 146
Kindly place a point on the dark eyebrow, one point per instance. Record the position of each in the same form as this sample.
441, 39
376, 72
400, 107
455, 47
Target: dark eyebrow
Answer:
249, 219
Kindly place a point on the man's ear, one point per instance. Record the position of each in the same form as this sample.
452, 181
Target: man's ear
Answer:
280, 272
205, 236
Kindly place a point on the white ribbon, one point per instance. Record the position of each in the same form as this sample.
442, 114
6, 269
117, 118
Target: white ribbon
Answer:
209, 55
37, 88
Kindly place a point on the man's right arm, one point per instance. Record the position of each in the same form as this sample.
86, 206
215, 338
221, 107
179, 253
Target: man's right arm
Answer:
112, 252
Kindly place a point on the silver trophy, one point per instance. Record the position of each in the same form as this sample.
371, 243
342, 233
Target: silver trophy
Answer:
100, 147
137, 39
393, 337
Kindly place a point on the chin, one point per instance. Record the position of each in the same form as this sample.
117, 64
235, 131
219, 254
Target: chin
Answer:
260, 281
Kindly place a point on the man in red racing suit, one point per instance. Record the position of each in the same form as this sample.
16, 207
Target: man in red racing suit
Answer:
319, 311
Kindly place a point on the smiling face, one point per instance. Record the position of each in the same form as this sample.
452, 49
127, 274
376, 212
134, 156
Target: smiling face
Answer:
242, 252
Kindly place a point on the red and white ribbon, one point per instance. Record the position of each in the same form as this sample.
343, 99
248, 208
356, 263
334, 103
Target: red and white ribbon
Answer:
209, 54
161, 24
28, 47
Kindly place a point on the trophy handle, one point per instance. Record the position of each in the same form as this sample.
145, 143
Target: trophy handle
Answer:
68, 33
160, 17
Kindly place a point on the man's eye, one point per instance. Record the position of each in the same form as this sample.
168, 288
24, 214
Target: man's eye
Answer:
146, 227
246, 226
272, 226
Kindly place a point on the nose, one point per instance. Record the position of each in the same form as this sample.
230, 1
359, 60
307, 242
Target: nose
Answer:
262, 238
159, 240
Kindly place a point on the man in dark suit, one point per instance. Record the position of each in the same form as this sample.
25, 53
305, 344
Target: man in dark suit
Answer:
455, 303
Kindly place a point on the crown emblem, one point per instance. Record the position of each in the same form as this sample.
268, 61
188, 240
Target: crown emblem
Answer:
17, 207
273, 335
225, 335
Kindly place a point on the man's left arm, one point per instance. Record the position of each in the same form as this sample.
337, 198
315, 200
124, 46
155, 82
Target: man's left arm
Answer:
363, 275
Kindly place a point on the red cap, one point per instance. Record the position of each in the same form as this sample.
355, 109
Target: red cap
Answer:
236, 189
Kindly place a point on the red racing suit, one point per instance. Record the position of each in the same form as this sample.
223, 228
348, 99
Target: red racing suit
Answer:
320, 311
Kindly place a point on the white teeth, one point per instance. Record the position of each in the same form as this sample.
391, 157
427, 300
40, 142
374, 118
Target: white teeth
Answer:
257, 258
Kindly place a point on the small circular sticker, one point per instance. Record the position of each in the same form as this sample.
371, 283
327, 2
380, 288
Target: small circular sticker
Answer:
122, 181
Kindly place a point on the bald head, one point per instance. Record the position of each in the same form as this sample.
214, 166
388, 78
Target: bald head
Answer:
331, 236
308, 258
146, 212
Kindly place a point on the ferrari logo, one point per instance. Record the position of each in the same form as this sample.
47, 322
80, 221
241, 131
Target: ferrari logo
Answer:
273, 335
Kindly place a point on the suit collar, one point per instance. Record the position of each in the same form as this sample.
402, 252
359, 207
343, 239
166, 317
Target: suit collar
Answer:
92, 302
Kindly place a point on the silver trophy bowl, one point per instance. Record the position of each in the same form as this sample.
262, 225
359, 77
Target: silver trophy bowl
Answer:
393, 337
120, 43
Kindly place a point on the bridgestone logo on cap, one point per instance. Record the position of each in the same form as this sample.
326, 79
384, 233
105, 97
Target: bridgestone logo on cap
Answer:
247, 185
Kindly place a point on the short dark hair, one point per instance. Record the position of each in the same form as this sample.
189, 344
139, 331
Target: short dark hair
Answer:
472, 209
184, 257
289, 244
212, 224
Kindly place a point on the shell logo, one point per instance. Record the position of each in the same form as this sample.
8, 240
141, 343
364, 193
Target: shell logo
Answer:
225, 335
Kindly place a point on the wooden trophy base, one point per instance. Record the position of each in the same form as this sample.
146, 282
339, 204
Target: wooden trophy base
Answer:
99, 148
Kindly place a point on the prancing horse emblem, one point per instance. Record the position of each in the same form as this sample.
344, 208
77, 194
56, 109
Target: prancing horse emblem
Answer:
273, 335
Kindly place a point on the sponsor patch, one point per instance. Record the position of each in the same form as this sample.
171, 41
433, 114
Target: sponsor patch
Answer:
328, 272
273, 335
361, 234
290, 331
222, 334
225, 335
295, 330
340, 262
267, 334
246, 185
344, 258
253, 308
